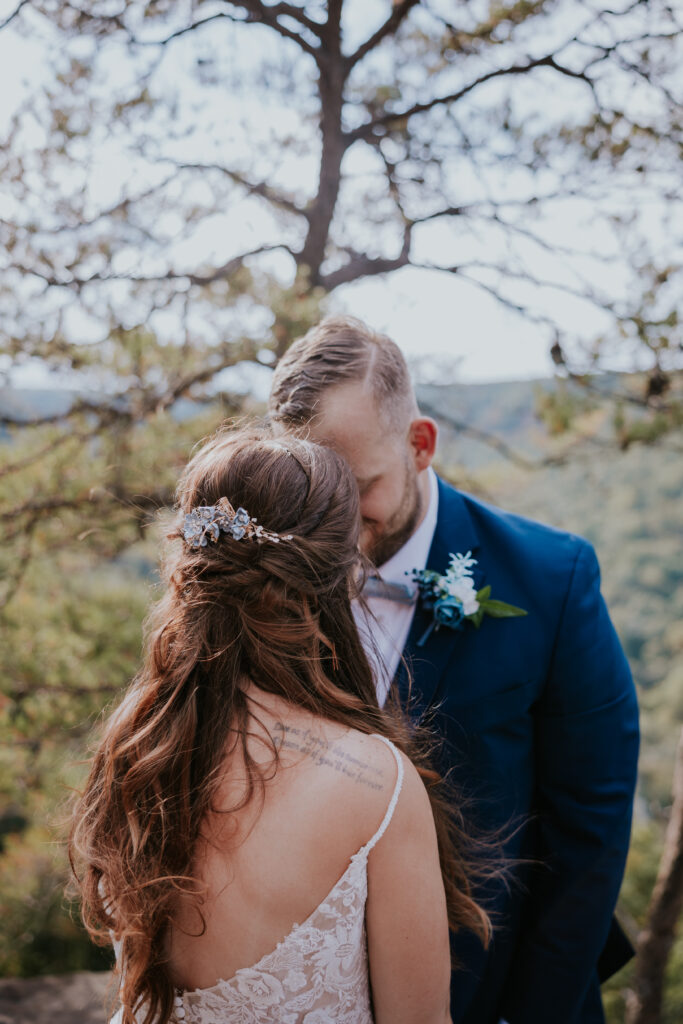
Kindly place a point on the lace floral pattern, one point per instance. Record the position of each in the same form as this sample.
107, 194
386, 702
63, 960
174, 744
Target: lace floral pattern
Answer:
316, 975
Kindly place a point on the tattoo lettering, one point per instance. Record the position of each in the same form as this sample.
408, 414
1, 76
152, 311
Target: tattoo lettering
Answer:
288, 737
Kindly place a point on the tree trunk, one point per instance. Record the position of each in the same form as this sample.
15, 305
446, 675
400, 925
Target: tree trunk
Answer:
333, 72
644, 1005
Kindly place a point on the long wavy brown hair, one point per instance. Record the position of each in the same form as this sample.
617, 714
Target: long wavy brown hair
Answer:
277, 615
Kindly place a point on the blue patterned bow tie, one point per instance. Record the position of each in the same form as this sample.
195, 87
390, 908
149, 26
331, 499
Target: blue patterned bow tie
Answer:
399, 592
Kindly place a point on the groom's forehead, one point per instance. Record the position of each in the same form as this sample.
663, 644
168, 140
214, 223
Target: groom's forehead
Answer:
367, 456
344, 412
349, 414
348, 421
338, 398
351, 427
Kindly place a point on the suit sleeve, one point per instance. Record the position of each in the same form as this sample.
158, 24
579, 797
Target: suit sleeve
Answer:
586, 762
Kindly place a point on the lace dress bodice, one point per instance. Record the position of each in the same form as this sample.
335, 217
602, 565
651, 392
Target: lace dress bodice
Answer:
318, 974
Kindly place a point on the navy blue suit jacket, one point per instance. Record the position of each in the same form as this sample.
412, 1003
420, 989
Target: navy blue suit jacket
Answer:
540, 727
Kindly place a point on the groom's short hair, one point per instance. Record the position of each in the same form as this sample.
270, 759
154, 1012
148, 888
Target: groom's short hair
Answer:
341, 350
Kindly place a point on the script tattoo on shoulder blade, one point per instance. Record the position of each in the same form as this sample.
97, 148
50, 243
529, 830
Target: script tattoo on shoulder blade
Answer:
329, 755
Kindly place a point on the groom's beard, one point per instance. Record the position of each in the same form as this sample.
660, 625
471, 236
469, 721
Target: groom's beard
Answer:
401, 526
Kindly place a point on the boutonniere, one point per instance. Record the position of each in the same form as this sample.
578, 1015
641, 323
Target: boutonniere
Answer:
452, 599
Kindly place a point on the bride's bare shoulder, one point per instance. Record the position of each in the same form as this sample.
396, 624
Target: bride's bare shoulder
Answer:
360, 759
353, 770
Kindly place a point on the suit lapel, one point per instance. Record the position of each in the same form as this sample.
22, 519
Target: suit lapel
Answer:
455, 534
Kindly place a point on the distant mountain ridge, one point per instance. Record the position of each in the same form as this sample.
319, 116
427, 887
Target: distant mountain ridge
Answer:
23, 405
505, 409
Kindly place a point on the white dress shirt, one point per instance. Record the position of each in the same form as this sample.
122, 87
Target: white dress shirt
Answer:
385, 630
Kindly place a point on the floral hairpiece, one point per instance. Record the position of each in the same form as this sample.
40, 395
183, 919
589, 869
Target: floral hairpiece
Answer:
205, 523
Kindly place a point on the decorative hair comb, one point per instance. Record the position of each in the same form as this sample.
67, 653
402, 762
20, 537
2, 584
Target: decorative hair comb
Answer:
205, 523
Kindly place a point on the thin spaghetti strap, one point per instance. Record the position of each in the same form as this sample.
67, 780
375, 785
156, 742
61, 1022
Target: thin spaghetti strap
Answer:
394, 798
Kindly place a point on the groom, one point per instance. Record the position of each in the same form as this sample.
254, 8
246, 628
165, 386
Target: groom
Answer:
538, 713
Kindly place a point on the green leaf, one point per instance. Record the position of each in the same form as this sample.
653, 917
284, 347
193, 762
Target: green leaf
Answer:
477, 618
501, 610
483, 594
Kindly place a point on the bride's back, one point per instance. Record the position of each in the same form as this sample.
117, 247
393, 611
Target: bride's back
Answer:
254, 642
267, 866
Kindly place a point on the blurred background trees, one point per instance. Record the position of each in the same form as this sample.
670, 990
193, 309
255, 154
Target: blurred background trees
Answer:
188, 186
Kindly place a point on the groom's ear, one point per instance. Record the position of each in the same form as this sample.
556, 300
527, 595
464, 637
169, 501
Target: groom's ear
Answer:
422, 438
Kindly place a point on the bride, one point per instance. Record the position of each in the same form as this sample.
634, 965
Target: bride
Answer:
262, 842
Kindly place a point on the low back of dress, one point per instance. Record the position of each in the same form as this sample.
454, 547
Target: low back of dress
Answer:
318, 974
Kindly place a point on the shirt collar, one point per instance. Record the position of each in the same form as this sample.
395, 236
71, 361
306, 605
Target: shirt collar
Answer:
415, 551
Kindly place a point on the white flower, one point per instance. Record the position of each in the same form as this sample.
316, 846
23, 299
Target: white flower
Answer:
463, 589
459, 566
471, 605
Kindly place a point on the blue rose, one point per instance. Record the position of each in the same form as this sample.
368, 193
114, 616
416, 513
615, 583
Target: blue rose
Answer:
448, 611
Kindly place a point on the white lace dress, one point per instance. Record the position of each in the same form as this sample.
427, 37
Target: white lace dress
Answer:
318, 974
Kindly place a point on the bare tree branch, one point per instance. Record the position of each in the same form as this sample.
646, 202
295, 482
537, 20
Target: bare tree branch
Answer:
366, 130
58, 442
589, 295
298, 14
489, 210
183, 385
119, 207
117, 408
267, 15
10, 18
103, 411
399, 11
131, 501
171, 275
257, 188
491, 440
256, 12
222, 272
502, 299
644, 1003
360, 265
254, 9
221, 16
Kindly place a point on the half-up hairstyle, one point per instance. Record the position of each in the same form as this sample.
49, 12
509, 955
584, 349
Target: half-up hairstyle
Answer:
233, 613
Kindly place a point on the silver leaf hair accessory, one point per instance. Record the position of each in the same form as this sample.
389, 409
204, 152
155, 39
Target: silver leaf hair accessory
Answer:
205, 523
